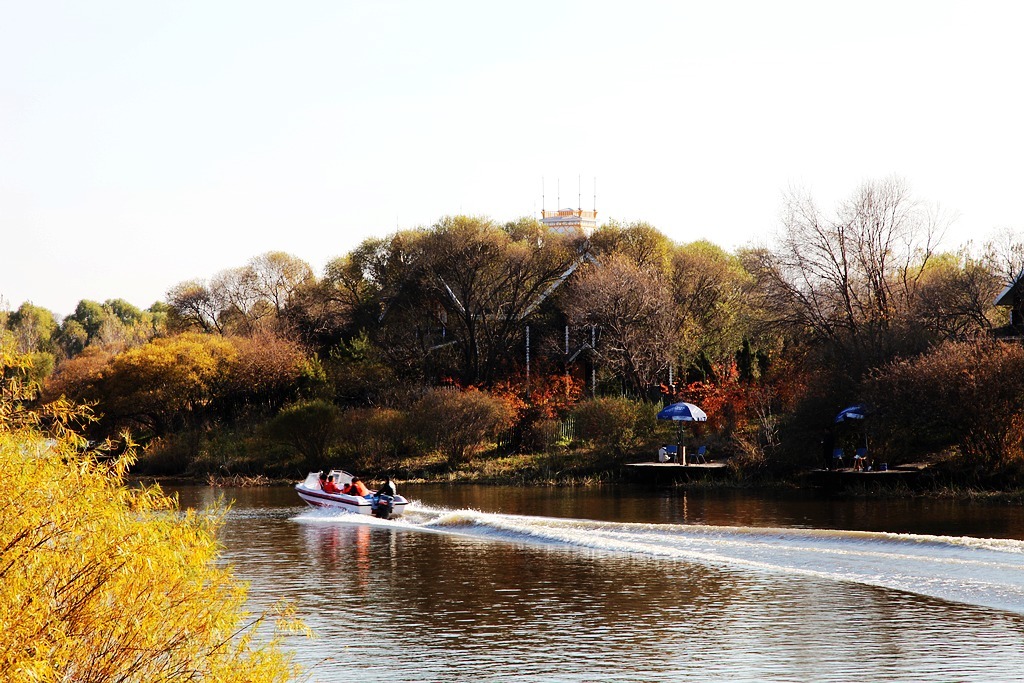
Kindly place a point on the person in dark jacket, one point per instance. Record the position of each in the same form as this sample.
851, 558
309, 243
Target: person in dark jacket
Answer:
828, 445
387, 489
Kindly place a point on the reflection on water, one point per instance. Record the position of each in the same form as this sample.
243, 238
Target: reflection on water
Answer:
652, 588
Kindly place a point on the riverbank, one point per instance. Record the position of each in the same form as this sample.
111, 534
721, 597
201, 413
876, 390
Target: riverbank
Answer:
584, 468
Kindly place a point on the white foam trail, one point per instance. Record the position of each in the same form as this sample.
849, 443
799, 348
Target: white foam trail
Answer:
986, 572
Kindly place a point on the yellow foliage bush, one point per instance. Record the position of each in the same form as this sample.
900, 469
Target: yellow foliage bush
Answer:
101, 582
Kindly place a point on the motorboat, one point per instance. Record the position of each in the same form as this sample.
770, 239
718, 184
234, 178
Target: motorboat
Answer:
378, 505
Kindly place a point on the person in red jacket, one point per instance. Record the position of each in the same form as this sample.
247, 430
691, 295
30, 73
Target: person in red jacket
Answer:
331, 486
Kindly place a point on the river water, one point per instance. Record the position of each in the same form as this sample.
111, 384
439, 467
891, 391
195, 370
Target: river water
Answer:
510, 584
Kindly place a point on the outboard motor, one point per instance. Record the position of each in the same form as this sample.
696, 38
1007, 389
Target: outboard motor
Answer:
384, 507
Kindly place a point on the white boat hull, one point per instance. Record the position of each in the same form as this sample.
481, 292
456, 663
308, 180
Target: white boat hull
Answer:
387, 507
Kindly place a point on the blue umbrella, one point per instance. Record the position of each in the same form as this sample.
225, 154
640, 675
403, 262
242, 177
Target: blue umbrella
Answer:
685, 412
856, 412
682, 412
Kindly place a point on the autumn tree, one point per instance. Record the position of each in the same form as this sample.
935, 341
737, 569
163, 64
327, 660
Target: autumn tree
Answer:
849, 280
277, 277
193, 307
956, 295
1003, 254
79, 377
643, 244
241, 308
266, 372
963, 396
487, 285
633, 308
459, 424
243, 300
169, 382
185, 380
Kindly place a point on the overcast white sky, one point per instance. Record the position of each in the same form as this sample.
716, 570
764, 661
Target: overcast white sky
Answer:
144, 143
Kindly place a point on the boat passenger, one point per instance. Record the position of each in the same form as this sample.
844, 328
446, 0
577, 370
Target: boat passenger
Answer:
330, 486
347, 488
358, 487
323, 478
388, 489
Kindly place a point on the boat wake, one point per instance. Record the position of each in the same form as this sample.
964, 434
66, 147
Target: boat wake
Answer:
984, 572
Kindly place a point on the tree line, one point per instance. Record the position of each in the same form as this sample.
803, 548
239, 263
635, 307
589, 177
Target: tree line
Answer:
856, 304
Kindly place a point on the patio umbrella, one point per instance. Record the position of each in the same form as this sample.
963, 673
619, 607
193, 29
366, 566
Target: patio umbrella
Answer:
682, 412
856, 412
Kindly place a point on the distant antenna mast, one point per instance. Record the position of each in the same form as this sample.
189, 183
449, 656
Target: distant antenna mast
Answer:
595, 195
579, 193
559, 189
542, 196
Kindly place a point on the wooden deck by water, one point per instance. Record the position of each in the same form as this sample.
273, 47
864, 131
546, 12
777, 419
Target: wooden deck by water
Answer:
667, 472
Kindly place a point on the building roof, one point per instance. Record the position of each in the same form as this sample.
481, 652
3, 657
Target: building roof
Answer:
1010, 292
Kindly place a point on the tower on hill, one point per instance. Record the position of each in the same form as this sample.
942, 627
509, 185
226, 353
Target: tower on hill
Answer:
573, 222
570, 221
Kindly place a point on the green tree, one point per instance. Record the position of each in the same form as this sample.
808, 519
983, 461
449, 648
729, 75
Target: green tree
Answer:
956, 297
90, 315
310, 428
72, 337
452, 300
640, 242
711, 291
125, 312
360, 376
34, 328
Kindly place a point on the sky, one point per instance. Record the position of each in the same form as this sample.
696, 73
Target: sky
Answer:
143, 144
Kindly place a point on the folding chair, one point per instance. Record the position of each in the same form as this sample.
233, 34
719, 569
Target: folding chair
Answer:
837, 458
699, 457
